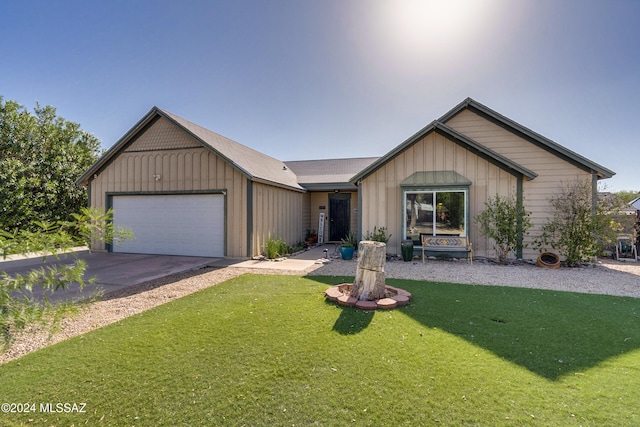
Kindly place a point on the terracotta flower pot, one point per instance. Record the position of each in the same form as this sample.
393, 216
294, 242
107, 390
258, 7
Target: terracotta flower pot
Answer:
548, 260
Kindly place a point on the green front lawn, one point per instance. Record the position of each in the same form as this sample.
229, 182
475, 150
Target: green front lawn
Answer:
269, 350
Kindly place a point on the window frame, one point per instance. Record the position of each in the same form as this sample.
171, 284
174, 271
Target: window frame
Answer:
435, 190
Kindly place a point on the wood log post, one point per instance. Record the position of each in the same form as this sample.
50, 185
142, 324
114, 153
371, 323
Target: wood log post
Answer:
370, 276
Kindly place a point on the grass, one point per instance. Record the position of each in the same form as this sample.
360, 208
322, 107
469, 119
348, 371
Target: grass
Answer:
269, 350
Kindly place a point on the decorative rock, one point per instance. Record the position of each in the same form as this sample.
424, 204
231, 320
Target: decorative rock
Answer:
387, 303
333, 293
366, 305
345, 288
347, 300
402, 299
394, 297
404, 293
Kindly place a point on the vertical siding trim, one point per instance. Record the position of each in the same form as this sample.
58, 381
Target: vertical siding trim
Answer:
89, 185
109, 205
520, 204
594, 192
226, 231
359, 231
249, 217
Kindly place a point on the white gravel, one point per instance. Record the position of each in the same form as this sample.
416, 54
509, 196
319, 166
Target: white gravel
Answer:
605, 277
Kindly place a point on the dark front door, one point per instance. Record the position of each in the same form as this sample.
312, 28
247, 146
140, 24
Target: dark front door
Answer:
339, 218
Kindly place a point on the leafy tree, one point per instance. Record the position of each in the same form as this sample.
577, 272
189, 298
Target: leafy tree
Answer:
627, 196
505, 221
580, 226
41, 157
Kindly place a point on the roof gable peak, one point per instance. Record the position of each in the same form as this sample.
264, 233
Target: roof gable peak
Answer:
528, 135
254, 164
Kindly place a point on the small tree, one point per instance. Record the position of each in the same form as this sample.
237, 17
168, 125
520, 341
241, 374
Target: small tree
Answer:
505, 221
18, 307
580, 225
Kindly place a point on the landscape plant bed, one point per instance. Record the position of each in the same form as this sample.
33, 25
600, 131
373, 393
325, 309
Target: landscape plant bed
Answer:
270, 350
393, 297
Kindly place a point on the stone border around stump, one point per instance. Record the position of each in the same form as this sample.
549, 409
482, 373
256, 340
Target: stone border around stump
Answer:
394, 297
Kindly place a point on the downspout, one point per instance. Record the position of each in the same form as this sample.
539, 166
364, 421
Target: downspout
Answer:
89, 193
594, 192
108, 205
359, 233
520, 205
249, 217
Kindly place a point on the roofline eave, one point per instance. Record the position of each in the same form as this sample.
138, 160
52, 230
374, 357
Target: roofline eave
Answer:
328, 186
108, 155
457, 137
298, 189
530, 135
393, 153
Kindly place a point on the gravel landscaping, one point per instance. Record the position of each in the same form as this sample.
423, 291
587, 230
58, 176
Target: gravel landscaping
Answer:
605, 277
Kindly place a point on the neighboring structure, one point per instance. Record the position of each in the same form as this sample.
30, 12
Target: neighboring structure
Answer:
635, 205
187, 190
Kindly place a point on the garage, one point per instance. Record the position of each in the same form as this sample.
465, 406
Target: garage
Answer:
184, 224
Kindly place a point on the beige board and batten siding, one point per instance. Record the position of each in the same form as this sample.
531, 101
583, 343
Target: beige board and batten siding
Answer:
165, 159
382, 194
552, 170
278, 214
306, 223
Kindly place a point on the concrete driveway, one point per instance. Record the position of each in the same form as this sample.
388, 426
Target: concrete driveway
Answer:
113, 271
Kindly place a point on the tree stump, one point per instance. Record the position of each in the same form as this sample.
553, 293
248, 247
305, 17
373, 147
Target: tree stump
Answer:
370, 277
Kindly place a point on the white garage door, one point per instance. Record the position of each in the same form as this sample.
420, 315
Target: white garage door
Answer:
190, 224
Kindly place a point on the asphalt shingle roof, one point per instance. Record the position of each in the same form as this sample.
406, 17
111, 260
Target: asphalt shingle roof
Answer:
255, 164
313, 174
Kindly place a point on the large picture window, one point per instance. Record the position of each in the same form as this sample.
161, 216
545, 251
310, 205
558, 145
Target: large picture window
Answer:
441, 212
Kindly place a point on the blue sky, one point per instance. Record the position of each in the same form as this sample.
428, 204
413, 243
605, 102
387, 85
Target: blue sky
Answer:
302, 79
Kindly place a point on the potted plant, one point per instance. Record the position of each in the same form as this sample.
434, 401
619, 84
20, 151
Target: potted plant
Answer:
312, 237
348, 246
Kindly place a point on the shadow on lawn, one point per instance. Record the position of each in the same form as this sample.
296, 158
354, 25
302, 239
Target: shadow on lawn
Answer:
550, 333
352, 321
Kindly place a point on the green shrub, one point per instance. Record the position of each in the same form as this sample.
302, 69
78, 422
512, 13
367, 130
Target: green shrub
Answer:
379, 234
18, 306
296, 247
505, 221
276, 248
350, 241
579, 226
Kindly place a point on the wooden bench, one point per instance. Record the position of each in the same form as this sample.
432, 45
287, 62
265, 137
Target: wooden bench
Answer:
447, 244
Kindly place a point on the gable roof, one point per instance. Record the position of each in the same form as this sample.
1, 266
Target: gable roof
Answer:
255, 165
455, 136
328, 174
529, 135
